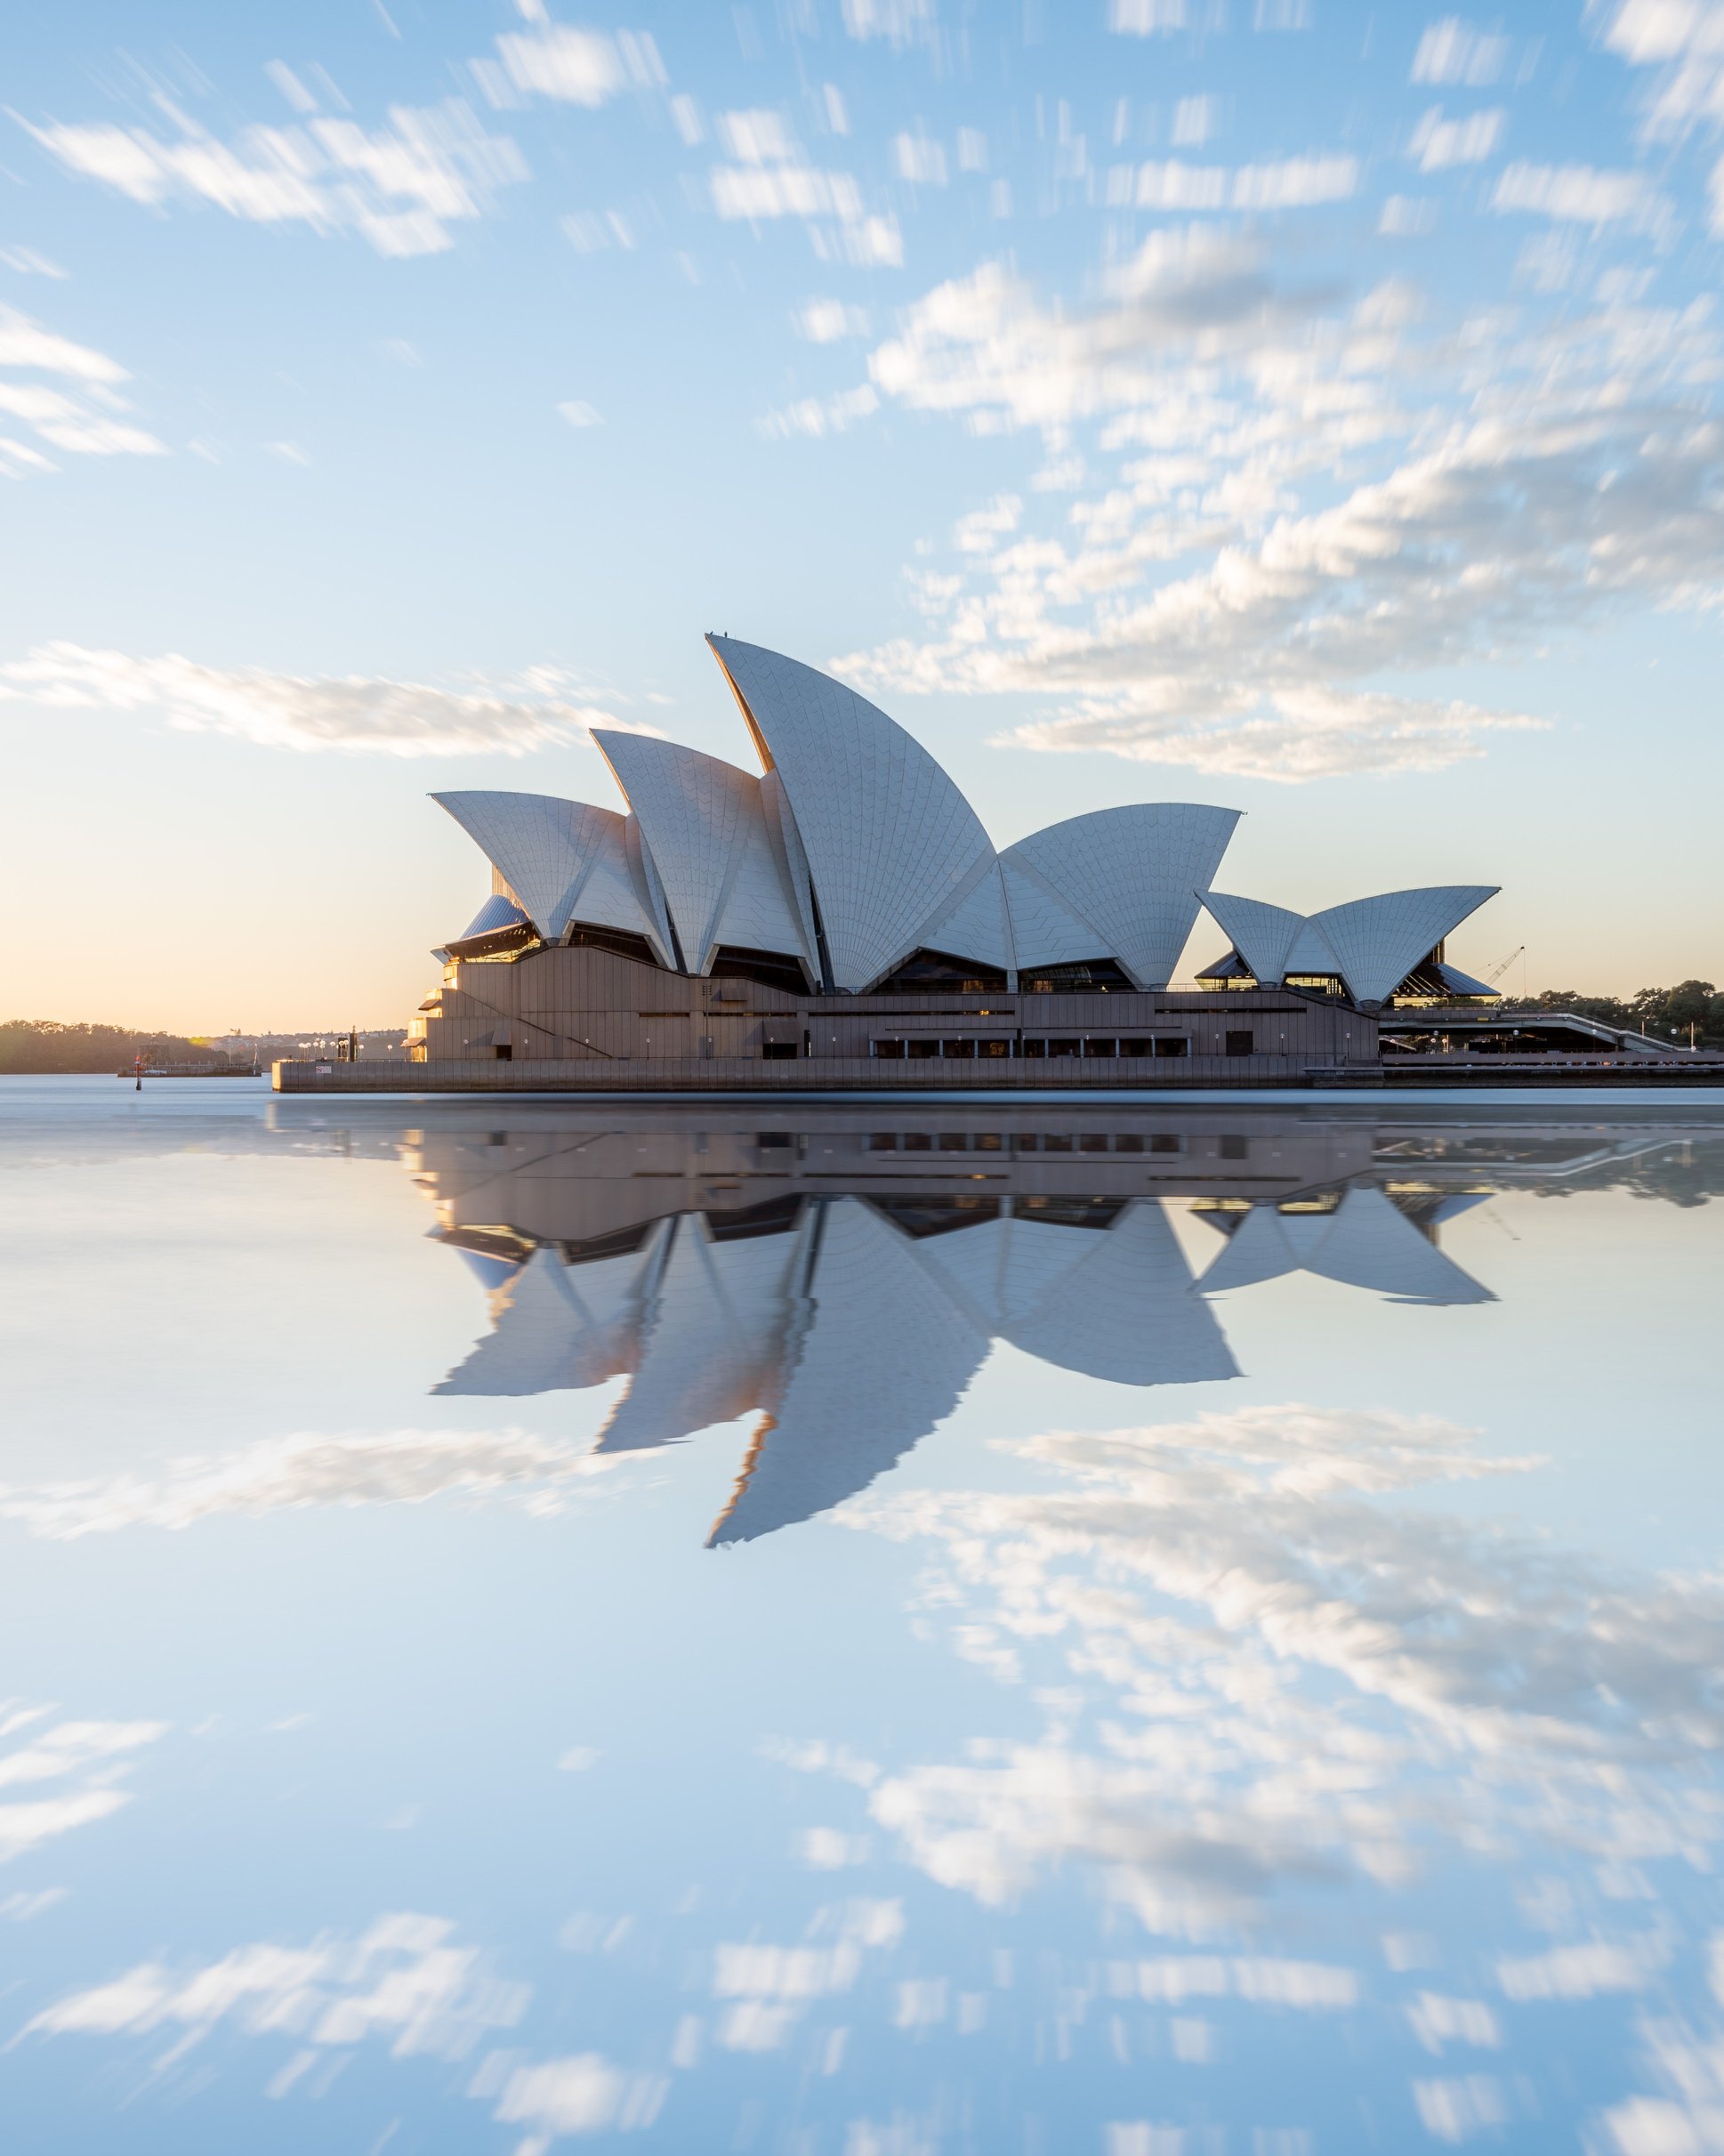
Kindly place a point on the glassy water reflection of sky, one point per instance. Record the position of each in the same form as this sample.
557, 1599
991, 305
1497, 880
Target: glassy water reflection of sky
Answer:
1179, 1631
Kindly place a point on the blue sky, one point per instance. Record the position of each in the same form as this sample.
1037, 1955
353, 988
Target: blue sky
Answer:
1305, 408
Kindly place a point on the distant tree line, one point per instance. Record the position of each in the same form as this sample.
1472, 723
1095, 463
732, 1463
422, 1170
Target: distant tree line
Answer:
43, 1045
1665, 1012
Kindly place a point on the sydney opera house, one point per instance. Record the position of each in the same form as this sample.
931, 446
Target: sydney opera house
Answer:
843, 913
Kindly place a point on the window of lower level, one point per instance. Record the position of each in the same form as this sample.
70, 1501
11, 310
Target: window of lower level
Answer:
963, 1048
1065, 1047
1235, 1148
779, 1051
1239, 1043
1166, 1141
1100, 1047
504, 1054
1134, 1047
1170, 1045
920, 1051
889, 1050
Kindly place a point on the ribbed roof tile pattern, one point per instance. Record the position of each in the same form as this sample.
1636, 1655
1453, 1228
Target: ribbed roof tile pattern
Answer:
1263, 935
1377, 942
978, 926
563, 861
889, 838
705, 830
1044, 930
1133, 875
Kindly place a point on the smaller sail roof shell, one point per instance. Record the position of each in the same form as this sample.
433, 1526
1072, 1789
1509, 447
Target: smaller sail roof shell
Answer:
891, 842
1134, 876
1263, 935
1377, 942
706, 832
562, 860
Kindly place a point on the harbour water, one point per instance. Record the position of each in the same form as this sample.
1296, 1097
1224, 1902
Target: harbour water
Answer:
1160, 1630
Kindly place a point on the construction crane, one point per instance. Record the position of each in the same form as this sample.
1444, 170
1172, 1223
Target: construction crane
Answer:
1497, 972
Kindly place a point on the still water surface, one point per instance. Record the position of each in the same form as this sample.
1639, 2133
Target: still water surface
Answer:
1176, 1631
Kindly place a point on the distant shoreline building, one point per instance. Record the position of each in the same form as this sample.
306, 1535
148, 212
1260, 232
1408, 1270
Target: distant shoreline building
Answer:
845, 909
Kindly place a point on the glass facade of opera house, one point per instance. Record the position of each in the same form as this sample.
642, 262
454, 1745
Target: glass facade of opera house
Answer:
844, 907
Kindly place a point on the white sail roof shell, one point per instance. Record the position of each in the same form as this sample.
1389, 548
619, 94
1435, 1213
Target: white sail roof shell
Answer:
1377, 942
705, 830
1263, 935
890, 840
562, 860
979, 924
1134, 876
1044, 930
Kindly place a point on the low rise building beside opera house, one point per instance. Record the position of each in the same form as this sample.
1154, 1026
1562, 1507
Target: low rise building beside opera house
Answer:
843, 916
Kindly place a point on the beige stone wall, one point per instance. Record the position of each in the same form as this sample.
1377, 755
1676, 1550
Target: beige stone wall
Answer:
577, 1005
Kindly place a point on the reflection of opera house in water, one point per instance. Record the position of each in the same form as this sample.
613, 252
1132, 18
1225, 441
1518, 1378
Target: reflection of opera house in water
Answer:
844, 1281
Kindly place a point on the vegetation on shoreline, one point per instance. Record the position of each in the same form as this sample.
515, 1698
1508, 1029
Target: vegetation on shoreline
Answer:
1666, 1013
42, 1046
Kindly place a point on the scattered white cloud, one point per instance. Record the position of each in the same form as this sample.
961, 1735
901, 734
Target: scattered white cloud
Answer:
919, 158
400, 187
1147, 17
569, 66
768, 178
285, 1474
1438, 142
1584, 1970
756, 137
900, 23
28, 262
1439, 2022
1454, 2110
1684, 39
1406, 217
591, 231
828, 321
1302, 496
817, 416
1282, 15
1296, 183
1240, 1613
1582, 194
1194, 122
80, 421
582, 2095
1455, 53
580, 414
402, 1981
972, 150
92, 1759
290, 87
826, 1849
771, 1987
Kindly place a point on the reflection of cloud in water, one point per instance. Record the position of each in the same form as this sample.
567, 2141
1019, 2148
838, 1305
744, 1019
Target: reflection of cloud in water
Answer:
405, 1983
1293, 1682
90, 1756
275, 1474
